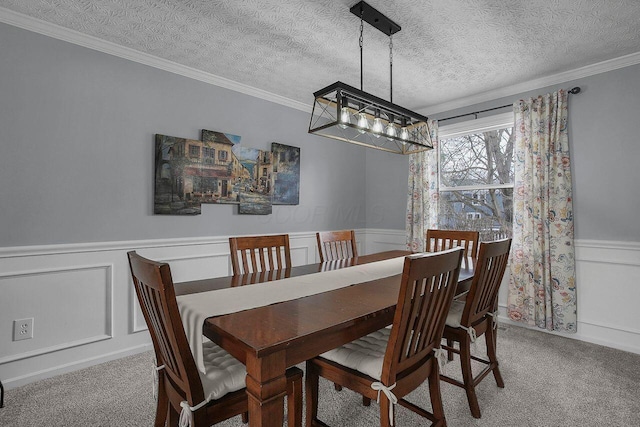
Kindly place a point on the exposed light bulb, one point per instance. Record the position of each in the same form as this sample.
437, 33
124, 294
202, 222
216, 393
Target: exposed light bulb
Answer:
363, 123
345, 118
391, 131
377, 127
404, 134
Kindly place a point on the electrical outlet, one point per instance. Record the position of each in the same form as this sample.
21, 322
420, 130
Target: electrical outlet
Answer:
23, 329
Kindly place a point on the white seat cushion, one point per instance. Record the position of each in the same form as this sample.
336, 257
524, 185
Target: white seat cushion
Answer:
455, 314
224, 372
365, 354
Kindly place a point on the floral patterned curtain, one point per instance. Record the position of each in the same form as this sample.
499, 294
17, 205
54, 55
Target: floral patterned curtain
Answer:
542, 288
422, 195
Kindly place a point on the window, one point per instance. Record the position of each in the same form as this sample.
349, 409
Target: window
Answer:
222, 155
209, 155
194, 151
476, 176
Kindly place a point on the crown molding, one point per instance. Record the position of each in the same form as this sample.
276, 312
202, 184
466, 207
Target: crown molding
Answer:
57, 32
554, 79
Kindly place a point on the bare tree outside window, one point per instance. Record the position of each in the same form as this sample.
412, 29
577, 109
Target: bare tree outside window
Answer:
476, 183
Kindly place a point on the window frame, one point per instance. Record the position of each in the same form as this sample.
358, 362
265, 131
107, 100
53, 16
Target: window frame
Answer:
497, 121
466, 127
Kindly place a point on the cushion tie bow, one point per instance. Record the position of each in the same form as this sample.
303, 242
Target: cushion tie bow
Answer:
377, 385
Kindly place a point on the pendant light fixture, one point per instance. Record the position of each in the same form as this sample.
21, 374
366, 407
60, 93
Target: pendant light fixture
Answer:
352, 115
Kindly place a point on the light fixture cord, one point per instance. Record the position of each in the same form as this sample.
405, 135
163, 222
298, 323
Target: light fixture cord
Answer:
390, 67
361, 43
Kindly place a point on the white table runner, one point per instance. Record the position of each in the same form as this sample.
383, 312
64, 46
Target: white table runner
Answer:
196, 308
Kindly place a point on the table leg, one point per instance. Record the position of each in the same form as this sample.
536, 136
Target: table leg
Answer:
266, 389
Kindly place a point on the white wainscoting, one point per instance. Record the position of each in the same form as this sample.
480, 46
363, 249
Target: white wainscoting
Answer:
85, 311
83, 302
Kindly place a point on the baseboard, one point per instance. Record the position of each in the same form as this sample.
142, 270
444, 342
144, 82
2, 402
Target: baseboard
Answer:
10, 383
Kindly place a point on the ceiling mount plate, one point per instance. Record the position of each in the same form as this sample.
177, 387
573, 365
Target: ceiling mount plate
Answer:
374, 18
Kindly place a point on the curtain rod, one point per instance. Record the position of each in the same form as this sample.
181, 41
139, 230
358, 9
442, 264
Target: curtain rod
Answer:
573, 90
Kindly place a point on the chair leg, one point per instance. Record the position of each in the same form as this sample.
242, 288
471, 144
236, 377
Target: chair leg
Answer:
311, 390
162, 405
436, 398
467, 376
338, 387
294, 402
384, 412
491, 339
449, 352
245, 418
173, 416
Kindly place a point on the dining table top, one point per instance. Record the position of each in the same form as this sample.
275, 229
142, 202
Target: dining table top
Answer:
268, 339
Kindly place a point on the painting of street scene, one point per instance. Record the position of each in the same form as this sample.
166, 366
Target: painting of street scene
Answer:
255, 194
174, 172
286, 174
216, 169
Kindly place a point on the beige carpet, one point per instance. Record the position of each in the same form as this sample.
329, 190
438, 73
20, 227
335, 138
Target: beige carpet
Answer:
550, 381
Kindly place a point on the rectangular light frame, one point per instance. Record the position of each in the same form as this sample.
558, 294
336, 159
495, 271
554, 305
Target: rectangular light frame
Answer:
326, 113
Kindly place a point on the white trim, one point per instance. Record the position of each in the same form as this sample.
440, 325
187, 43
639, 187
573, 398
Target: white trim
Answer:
497, 121
484, 124
71, 248
55, 31
191, 257
65, 34
14, 382
551, 80
54, 348
109, 283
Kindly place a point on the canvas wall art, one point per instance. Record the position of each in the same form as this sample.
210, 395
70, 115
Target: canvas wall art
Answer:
175, 174
286, 174
255, 193
219, 170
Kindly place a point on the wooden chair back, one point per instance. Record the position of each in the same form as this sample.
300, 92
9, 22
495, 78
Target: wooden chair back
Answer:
440, 240
428, 286
156, 295
336, 245
489, 271
254, 254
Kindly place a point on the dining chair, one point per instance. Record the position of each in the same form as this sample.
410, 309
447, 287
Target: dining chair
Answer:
337, 245
390, 363
252, 254
478, 315
185, 394
438, 240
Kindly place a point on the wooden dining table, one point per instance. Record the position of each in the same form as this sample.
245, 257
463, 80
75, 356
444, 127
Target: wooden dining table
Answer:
272, 338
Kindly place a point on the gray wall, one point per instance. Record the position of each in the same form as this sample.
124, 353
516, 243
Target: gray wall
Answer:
386, 200
605, 151
76, 152
76, 149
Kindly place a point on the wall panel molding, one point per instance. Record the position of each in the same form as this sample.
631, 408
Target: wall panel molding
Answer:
107, 325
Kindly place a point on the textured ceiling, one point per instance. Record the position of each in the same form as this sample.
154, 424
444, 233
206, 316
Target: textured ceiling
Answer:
447, 49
